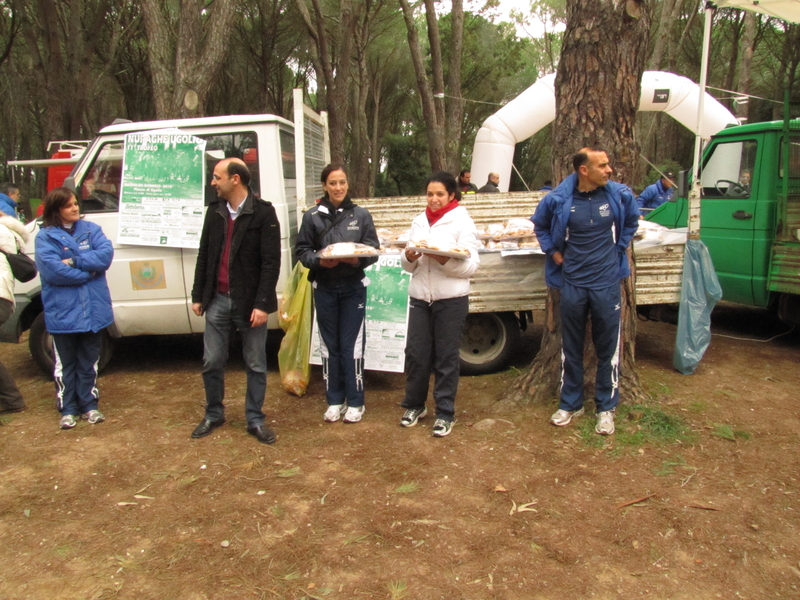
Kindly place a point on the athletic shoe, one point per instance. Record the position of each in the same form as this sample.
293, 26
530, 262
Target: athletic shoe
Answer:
442, 428
93, 416
334, 412
353, 414
412, 415
605, 422
68, 422
563, 417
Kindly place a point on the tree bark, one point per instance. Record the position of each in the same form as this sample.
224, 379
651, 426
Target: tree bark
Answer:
185, 49
597, 97
434, 126
334, 50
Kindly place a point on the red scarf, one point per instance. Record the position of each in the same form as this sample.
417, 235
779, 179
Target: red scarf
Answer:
435, 215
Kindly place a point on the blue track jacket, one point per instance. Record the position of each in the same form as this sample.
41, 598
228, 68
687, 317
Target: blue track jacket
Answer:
76, 299
552, 217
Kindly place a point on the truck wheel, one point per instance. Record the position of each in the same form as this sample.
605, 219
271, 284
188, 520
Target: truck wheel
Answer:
487, 342
41, 347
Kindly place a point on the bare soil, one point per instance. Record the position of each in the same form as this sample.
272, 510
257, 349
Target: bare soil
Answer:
506, 507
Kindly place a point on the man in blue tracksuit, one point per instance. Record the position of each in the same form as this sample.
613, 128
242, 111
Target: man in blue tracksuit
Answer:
656, 194
584, 226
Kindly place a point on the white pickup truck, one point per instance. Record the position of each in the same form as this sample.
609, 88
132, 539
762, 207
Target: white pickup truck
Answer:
505, 291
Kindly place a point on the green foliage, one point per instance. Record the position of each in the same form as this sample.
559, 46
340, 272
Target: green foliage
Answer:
407, 166
637, 425
407, 488
726, 432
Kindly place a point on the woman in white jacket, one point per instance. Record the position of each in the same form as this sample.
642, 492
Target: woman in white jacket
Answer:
439, 302
13, 237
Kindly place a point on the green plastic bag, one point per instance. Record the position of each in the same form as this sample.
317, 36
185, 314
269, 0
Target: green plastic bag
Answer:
294, 317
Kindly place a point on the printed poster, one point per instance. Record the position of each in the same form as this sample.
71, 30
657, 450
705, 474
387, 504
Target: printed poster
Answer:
163, 185
386, 318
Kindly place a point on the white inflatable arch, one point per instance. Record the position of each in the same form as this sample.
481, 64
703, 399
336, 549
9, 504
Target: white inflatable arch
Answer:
534, 108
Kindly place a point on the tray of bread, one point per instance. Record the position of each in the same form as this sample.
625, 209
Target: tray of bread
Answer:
426, 247
347, 250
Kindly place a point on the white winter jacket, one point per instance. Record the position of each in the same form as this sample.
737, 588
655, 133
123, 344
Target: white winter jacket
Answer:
431, 281
13, 237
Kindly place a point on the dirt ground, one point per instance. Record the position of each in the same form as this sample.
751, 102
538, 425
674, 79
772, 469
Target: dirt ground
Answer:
507, 506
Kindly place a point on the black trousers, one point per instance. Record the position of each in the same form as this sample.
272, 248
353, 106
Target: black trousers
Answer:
10, 396
432, 344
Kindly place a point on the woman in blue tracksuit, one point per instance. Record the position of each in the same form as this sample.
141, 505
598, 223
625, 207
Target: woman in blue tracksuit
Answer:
72, 256
340, 292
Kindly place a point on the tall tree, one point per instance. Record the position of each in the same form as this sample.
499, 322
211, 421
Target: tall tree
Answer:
442, 104
597, 96
332, 41
187, 41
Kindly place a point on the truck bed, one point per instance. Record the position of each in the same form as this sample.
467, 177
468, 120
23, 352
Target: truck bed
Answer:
516, 283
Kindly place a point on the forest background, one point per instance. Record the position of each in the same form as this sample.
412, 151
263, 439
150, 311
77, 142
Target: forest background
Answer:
406, 84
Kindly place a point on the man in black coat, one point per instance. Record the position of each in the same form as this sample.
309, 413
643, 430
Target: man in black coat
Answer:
237, 270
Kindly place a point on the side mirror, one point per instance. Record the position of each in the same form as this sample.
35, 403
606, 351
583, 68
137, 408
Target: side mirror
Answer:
681, 186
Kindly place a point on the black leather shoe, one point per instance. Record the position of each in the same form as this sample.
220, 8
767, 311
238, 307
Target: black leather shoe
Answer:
206, 426
262, 433
17, 409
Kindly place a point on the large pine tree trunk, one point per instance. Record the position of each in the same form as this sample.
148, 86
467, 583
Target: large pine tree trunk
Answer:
597, 95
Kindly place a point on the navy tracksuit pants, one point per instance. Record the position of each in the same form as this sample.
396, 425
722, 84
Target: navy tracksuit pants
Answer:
604, 308
77, 356
341, 311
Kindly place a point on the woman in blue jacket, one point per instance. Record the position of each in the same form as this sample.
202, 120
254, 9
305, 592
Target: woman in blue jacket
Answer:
72, 256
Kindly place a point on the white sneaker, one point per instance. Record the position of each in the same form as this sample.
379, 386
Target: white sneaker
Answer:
334, 412
605, 422
353, 414
68, 422
93, 416
563, 417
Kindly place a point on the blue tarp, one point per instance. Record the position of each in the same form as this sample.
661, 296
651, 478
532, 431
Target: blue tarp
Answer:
700, 292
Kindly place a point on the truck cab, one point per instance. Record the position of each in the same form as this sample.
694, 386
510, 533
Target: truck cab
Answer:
750, 214
151, 285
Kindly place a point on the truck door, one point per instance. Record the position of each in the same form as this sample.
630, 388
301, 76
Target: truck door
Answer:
728, 215
146, 282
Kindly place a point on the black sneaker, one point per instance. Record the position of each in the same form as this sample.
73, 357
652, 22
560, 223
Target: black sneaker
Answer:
412, 415
442, 428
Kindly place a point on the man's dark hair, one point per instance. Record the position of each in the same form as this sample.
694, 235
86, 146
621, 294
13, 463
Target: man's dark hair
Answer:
548, 182
239, 168
463, 172
447, 180
581, 158
55, 200
7, 187
326, 172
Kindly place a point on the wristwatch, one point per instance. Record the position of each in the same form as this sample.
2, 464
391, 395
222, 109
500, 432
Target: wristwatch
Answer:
71, 262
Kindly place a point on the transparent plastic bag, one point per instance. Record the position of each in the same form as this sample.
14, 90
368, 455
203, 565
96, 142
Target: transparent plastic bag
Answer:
294, 317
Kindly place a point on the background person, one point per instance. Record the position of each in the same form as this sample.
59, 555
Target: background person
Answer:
13, 237
438, 303
235, 276
548, 185
340, 292
656, 194
72, 256
9, 199
491, 185
464, 185
587, 266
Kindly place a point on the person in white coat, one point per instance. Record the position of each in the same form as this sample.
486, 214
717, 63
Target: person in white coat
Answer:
438, 303
13, 237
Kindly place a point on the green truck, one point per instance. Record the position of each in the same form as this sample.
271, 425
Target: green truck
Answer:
750, 214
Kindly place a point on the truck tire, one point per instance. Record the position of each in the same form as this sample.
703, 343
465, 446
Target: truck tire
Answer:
41, 346
487, 342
